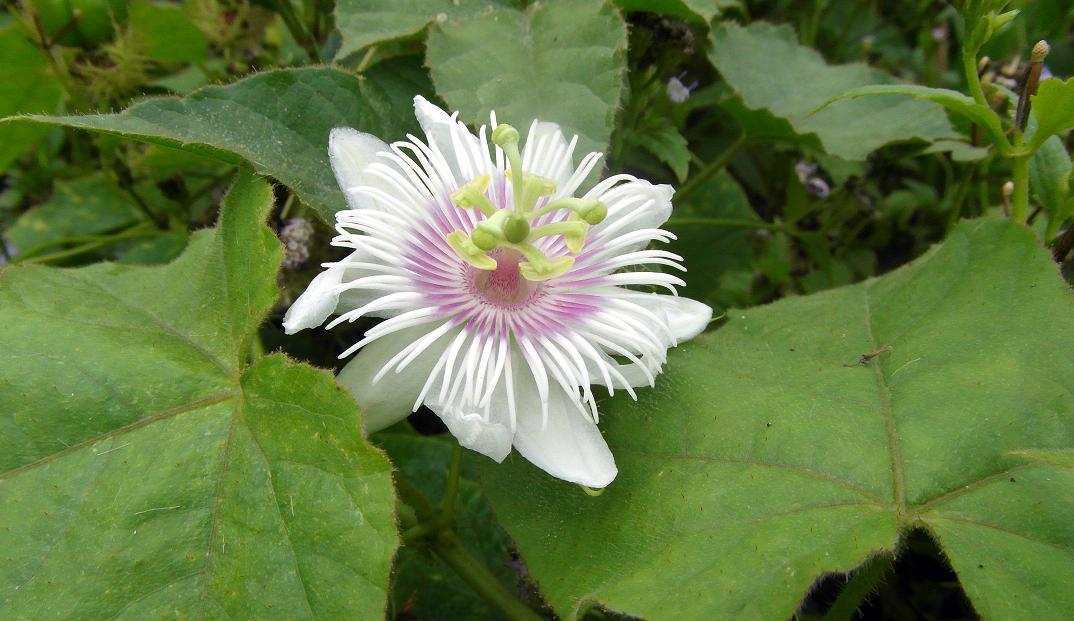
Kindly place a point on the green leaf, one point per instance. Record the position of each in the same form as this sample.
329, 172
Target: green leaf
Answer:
768, 68
146, 473
953, 101
166, 33
367, 22
767, 455
26, 85
667, 144
1050, 178
86, 206
562, 62
278, 121
1053, 107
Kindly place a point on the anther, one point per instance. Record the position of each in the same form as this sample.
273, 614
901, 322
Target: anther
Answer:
472, 196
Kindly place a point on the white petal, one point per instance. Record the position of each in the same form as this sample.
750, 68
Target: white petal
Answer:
316, 303
550, 159
459, 150
392, 398
472, 431
570, 447
633, 205
350, 152
321, 298
467, 422
687, 318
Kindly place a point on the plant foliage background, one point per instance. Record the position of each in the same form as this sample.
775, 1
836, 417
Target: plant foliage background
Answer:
880, 424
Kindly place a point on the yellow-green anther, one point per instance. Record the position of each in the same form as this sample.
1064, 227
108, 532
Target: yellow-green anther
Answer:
589, 209
546, 270
506, 137
516, 228
472, 196
469, 252
573, 232
538, 267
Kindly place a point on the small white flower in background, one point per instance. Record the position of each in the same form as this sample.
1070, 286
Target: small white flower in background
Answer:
677, 91
502, 293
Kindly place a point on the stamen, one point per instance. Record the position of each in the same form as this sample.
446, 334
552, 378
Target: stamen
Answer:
469, 252
573, 232
511, 228
472, 196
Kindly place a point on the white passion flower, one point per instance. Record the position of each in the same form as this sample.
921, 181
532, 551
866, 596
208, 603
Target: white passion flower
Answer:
504, 296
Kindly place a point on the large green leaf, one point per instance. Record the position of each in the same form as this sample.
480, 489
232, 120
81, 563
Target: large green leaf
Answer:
562, 62
278, 121
362, 23
146, 473
26, 85
768, 68
768, 454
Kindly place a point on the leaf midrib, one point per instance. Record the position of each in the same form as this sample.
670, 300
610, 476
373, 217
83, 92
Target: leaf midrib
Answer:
898, 476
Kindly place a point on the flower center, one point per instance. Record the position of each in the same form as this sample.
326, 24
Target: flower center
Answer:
504, 286
510, 227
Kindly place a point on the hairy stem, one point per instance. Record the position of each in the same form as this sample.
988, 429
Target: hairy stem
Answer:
861, 584
448, 548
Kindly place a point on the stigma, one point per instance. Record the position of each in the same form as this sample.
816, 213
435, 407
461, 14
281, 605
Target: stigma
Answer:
513, 227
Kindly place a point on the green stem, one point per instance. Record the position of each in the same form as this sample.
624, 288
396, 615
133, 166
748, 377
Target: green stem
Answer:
367, 59
451, 488
1020, 197
448, 548
973, 81
424, 526
1054, 220
710, 169
92, 243
861, 584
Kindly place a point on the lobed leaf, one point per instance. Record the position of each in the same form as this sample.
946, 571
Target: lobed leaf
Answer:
768, 454
146, 472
